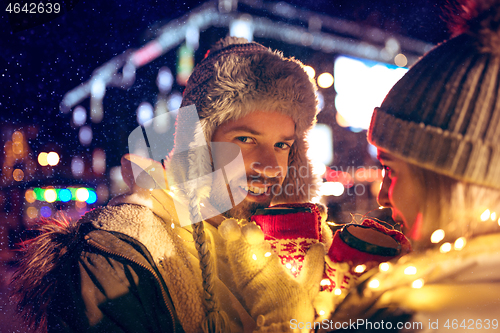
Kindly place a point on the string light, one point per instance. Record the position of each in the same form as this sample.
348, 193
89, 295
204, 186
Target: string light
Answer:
321, 313
385, 266
254, 256
268, 254
410, 270
459, 243
288, 265
493, 216
485, 215
445, 248
338, 291
419, 283
374, 284
437, 236
360, 268
325, 282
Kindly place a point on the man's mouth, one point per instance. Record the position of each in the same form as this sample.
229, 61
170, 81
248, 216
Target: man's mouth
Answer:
256, 190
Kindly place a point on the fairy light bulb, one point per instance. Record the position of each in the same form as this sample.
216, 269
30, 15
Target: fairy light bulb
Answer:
325, 282
254, 256
322, 313
268, 254
445, 248
485, 215
410, 270
385, 266
493, 216
459, 243
437, 236
338, 291
374, 284
419, 283
288, 265
360, 268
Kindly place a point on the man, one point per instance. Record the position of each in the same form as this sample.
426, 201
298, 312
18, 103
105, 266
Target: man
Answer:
139, 264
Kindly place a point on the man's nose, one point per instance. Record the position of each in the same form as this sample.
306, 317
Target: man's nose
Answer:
383, 195
266, 164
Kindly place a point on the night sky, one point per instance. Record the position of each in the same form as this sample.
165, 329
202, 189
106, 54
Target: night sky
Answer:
41, 61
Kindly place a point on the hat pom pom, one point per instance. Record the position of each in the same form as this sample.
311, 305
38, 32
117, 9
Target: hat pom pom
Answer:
479, 18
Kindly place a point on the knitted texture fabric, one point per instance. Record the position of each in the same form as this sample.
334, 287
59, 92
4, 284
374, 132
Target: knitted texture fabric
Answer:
291, 235
444, 114
271, 295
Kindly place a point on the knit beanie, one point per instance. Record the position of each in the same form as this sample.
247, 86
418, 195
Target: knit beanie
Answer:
444, 114
236, 78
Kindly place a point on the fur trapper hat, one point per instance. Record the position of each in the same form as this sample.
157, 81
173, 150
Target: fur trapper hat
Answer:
234, 79
444, 114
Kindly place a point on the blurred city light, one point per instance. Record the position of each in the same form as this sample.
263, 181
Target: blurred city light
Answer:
50, 195
144, 113
42, 159
85, 135
320, 139
64, 195
79, 116
400, 60
52, 158
325, 80
82, 194
361, 85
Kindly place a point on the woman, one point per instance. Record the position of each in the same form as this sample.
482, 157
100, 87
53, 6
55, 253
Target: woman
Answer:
438, 137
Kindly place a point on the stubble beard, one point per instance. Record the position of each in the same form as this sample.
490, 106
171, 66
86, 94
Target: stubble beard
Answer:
242, 211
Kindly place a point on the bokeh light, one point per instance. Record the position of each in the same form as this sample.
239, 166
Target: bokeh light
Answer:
18, 175
42, 159
32, 212
30, 196
325, 80
400, 60
45, 211
82, 194
92, 198
64, 195
50, 195
52, 158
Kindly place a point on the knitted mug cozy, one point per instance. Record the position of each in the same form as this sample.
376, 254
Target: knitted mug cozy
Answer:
290, 229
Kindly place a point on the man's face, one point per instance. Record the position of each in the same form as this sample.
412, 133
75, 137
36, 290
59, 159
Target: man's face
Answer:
265, 139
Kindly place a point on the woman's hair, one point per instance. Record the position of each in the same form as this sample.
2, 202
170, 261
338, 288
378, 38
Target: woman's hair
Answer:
455, 206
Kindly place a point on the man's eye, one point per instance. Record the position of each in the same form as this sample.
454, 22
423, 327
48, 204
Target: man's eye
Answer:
282, 145
245, 139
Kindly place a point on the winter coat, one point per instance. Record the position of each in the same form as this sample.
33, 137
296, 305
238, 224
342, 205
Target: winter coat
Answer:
119, 269
458, 290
